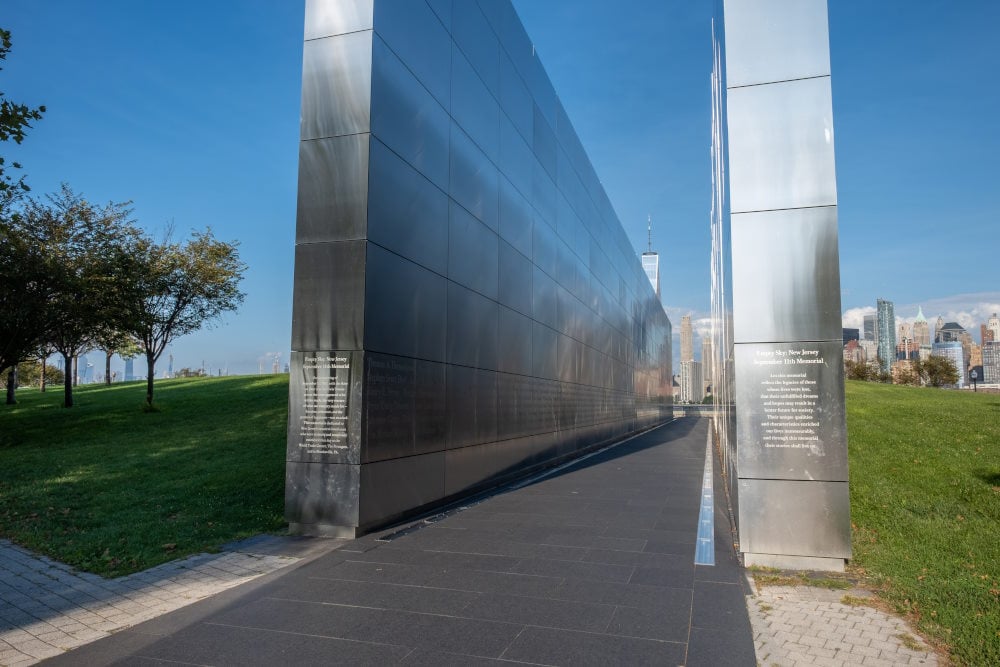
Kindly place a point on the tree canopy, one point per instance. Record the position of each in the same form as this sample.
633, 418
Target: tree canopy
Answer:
183, 288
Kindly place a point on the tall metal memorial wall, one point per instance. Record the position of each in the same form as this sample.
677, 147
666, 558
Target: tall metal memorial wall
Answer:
466, 303
777, 199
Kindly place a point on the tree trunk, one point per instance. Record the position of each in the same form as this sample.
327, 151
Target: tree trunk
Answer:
41, 382
69, 364
107, 368
76, 373
150, 364
11, 385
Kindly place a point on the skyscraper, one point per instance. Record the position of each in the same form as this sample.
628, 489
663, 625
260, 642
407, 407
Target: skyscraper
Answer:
921, 329
991, 362
885, 333
905, 332
692, 389
651, 261
994, 325
687, 340
869, 328
952, 350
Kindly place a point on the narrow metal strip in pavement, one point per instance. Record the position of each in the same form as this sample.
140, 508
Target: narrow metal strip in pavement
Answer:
704, 553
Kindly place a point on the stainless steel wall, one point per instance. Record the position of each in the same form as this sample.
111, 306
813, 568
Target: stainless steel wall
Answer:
791, 443
466, 303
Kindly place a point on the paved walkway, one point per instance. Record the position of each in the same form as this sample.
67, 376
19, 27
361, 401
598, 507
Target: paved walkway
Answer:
592, 565
795, 626
47, 608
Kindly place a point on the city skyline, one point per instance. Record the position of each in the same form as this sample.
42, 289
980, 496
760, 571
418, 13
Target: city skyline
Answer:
197, 123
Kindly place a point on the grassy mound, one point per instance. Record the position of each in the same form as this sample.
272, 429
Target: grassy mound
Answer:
925, 506
111, 489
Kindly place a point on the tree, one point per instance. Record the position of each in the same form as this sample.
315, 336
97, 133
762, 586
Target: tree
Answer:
937, 371
90, 256
26, 287
14, 120
29, 373
184, 287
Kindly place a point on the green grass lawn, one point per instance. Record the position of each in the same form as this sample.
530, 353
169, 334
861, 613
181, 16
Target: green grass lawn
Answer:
925, 505
111, 489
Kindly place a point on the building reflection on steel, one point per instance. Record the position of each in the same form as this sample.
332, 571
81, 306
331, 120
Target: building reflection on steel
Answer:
466, 303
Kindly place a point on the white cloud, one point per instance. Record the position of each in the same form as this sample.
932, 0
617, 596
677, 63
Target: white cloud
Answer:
854, 318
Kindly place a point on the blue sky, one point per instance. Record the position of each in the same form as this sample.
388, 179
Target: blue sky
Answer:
190, 110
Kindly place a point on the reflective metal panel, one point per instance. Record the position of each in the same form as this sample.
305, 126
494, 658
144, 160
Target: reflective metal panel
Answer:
442, 8
430, 407
393, 487
335, 17
475, 181
544, 351
475, 37
786, 275
516, 158
321, 495
515, 218
473, 253
790, 420
515, 279
515, 100
545, 299
407, 213
781, 146
474, 107
775, 40
415, 33
407, 119
389, 389
472, 406
514, 342
795, 518
328, 302
473, 325
333, 189
336, 85
544, 143
405, 307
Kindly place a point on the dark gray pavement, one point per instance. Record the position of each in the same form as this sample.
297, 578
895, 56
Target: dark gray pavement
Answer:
593, 565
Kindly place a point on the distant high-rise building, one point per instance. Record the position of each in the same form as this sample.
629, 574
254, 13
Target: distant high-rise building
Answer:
975, 356
952, 350
870, 349
129, 370
651, 261
907, 348
991, 362
885, 333
985, 334
994, 326
707, 361
851, 334
692, 389
937, 327
869, 328
905, 332
687, 339
921, 329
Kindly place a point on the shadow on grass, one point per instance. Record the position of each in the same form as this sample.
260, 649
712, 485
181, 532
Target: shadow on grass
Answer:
991, 477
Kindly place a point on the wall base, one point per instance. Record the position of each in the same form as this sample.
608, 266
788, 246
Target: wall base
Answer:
786, 562
323, 530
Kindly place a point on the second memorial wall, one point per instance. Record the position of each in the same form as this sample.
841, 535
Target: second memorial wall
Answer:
466, 304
